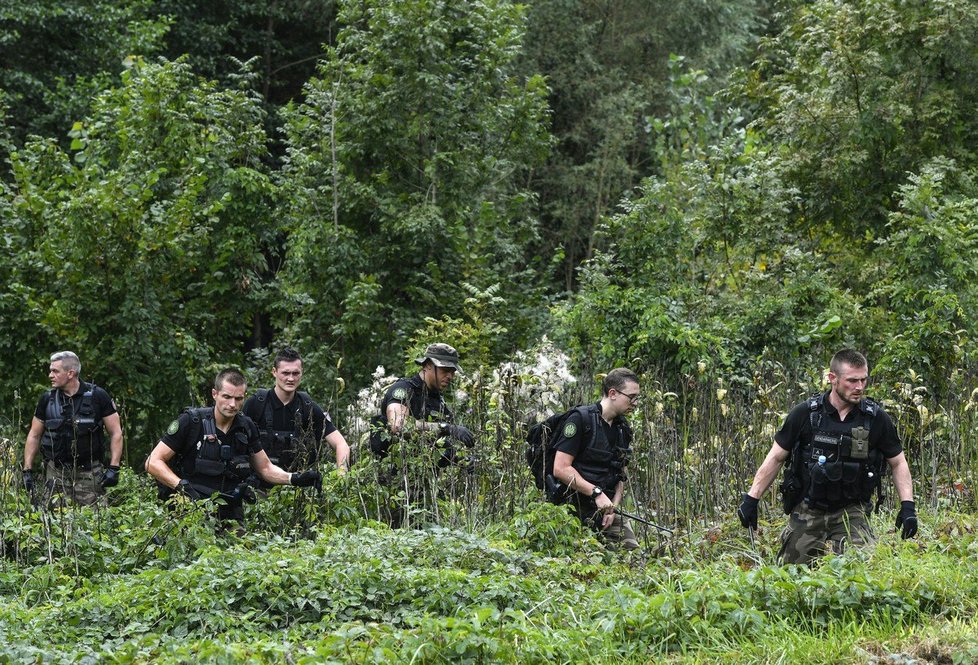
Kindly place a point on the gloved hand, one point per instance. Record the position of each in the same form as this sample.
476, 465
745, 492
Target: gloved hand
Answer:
243, 493
309, 478
907, 518
111, 476
184, 487
28, 480
459, 433
747, 512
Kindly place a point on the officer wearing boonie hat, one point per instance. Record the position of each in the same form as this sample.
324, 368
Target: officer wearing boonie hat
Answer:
441, 355
420, 397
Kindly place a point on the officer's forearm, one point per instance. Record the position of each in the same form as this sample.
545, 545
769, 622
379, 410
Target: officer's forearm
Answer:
31, 447
765, 475
902, 479
162, 472
115, 448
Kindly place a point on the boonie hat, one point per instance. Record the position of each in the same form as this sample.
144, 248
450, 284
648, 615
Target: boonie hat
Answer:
441, 354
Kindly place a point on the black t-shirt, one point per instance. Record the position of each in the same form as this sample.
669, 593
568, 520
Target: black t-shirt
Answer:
183, 435
423, 403
882, 432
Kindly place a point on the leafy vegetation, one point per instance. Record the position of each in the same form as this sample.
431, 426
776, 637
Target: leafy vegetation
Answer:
716, 194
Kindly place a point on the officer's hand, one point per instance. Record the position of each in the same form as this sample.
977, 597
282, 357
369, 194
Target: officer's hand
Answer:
310, 478
907, 518
111, 476
604, 503
460, 433
747, 512
28, 480
244, 492
184, 487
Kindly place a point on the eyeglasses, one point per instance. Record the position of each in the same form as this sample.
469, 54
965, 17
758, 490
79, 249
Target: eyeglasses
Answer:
633, 398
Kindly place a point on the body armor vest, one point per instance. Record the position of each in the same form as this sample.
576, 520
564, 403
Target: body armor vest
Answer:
215, 459
72, 441
850, 471
601, 461
281, 447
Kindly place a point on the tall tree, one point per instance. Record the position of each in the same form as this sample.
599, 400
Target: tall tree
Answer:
57, 54
141, 247
406, 173
607, 66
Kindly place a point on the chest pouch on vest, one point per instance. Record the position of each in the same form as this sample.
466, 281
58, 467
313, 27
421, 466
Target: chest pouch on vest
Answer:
859, 446
212, 456
279, 444
835, 484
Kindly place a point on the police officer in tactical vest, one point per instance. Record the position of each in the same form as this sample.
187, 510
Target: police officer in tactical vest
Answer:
416, 403
592, 450
212, 451
71, 425
291, 424
837, 443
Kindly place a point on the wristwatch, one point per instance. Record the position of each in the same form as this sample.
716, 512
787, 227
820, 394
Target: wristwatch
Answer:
597, 491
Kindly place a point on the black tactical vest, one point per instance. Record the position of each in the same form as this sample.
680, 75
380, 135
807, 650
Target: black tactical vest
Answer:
602, 462
281, 447
214, 459
850, 470
74, 441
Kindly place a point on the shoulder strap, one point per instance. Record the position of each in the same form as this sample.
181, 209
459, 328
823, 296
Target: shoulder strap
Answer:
589, 416
305, 409
815, 409
54, 408
266, 410
205, 416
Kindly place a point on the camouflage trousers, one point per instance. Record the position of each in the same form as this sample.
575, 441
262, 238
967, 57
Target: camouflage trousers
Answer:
84, 487
618, 535
812, 533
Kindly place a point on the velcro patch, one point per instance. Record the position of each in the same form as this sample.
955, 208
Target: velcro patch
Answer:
174, 426
570, 429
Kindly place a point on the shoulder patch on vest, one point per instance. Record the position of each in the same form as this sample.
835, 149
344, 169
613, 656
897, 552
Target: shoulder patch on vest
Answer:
400, 393
174, 426
570, 429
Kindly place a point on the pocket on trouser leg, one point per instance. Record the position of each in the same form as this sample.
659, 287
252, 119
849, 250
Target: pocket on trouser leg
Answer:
801, 541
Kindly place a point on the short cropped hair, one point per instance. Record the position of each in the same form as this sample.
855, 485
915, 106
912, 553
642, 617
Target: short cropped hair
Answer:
616, 379
68, 359
849, 357
230, 375
287, 355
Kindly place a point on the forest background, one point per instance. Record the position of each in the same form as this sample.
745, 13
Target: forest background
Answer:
716, 193
188, 185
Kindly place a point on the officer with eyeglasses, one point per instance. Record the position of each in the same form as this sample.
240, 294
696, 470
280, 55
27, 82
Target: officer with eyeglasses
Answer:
593, 447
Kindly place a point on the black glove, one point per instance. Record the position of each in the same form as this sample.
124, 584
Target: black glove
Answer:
243, 493
748, 512
459, 433
28, 480
184, 487
310, 478
907, 518
111, 476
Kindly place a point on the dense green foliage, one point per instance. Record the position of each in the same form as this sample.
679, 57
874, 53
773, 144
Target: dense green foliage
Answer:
134, 583
716, 193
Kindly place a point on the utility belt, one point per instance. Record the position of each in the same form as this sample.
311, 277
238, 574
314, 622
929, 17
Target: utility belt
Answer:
82, 466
